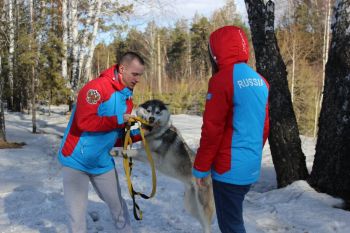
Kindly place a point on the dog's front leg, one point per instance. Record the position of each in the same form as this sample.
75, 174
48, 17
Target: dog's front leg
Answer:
137, 154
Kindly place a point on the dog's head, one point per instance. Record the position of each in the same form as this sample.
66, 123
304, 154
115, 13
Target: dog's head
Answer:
155, 112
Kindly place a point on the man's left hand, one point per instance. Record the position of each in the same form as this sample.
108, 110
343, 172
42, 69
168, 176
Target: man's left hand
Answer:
200, 182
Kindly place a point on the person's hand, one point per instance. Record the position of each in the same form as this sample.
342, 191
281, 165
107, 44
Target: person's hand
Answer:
126, 117
200, 182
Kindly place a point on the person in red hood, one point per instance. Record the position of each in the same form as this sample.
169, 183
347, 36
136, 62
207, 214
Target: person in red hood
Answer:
98, 123
235, 126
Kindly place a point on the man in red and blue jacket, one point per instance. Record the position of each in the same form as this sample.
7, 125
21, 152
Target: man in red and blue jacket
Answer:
235, 126
98, 123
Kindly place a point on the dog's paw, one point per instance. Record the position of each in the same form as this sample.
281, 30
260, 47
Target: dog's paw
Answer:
115, 152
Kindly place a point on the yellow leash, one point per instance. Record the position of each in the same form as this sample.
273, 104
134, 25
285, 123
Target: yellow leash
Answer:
127, 162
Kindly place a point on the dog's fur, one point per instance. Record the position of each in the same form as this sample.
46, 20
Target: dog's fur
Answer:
174, 158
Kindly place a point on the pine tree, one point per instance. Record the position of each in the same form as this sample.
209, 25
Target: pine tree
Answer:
200, 31
177, 51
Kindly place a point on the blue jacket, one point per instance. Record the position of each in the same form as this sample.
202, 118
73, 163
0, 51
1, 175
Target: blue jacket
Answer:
235, 120
96, 124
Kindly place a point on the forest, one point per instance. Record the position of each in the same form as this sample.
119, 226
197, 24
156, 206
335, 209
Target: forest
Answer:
50, 48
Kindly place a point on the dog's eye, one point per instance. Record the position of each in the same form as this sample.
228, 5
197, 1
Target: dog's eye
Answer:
157, 112
148, 110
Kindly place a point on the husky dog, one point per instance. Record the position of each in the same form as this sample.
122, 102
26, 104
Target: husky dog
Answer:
173, 157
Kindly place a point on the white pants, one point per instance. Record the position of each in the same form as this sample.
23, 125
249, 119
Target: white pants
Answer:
76, 187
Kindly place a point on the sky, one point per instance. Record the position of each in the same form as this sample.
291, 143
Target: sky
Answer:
167, 12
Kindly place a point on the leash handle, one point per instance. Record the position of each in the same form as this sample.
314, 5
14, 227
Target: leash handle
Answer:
127, 162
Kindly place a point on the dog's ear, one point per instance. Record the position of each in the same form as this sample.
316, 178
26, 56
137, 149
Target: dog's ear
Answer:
143, 105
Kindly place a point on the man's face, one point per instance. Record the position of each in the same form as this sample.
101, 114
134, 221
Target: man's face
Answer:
131, 73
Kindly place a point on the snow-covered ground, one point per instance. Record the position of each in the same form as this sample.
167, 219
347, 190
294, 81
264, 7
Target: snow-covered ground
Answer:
31, 195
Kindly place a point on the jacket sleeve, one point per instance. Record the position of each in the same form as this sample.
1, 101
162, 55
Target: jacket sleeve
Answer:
87, 117
214, 119
134, 134
267, 116
266, 124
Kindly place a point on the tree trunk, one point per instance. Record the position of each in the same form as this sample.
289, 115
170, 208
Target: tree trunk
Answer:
293, 70
82, 49
65, 43
159, 68
285, 145
11, 51
74, 42
92, 41
2, 115
324, 60
330, 172
50, 101
33, 78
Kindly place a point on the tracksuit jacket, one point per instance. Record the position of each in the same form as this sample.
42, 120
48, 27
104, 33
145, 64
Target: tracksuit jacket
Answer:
236, 118
96, 124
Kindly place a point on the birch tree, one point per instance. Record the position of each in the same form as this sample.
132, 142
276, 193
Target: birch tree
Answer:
285, 144
2, 116
65, 42
82, 49
330, 172
33, 78
11, 37
73, 29
3, 40
319, 99
92, 44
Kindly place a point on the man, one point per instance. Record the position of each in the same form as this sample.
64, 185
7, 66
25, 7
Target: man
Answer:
235, 126
97, 123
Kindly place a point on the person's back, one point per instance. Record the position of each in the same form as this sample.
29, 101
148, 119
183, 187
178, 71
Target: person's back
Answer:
235, 126
249, 104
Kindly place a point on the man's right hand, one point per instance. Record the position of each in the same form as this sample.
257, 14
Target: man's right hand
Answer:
126, 117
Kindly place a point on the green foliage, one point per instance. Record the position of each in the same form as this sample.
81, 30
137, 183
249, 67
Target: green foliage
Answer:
177, 52
200, 31
52, 86
185, 96
300, 38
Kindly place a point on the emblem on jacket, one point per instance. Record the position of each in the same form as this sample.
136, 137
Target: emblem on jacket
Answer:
93, 96
209, 95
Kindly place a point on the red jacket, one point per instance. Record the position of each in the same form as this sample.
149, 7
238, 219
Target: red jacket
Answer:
236, 119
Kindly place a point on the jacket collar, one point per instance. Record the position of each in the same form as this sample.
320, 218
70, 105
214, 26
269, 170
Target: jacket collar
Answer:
112, 75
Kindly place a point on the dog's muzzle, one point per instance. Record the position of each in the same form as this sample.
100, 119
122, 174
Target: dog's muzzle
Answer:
151, 120
147, 127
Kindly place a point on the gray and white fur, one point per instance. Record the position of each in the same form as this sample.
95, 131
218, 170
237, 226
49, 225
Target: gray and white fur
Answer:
174, 158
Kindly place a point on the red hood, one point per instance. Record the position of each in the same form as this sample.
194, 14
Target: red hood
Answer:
229, 45
110, 75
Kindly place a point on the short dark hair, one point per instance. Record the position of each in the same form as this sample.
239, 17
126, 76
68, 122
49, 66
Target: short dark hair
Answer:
127, 57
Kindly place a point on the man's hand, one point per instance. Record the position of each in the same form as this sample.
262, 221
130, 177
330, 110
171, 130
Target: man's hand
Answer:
126, 117
200, 182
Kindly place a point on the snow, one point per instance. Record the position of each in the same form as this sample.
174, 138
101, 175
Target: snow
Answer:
31, 193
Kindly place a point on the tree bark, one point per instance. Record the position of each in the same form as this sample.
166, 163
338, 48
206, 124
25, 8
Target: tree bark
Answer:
2, 115
82, 49
324, 61
65, 43
33, 73
285, 145
330, 172
74, 43
92, 40
159, 68
11, 51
